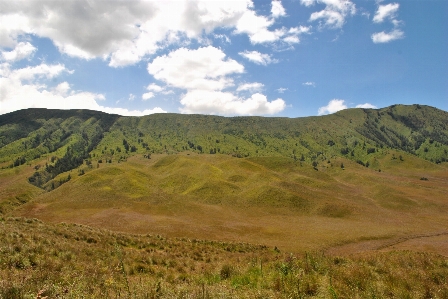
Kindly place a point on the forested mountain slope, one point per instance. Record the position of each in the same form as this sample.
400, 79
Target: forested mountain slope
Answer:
354, 133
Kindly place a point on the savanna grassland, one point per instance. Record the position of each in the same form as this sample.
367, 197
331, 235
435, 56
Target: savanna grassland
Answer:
350, 205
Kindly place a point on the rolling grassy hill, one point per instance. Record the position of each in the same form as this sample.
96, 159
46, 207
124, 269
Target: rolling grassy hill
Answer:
274, 201
359, 180
357, 174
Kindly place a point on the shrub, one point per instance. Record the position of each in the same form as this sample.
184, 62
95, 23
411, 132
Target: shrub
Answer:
226, 271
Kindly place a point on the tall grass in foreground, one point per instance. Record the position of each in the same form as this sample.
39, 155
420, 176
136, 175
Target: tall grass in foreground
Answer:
73, 261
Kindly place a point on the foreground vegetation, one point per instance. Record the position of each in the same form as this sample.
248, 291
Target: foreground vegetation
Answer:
75, 261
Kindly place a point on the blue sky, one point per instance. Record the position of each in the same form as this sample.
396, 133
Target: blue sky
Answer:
288, 58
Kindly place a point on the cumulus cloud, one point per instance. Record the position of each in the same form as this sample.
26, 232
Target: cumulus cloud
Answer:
123, 33
32, 73
313, 84
366, 106
336, 105
307, 2
204, 73
21, 51
147, 95
277, 9
217, 102
282, 90
126, 31
154, 87
334, 13
385, 37
258, 58
27, 88
253, 87
256, 27
387, 11
333, 106
62, 89
206, 68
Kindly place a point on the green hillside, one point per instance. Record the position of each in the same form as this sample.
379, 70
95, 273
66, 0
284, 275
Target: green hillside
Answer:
72, 137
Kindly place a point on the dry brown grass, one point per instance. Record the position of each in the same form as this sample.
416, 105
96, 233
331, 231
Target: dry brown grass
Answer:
273, 201
39, 260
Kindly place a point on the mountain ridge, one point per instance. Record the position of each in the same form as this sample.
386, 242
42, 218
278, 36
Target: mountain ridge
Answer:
399, 127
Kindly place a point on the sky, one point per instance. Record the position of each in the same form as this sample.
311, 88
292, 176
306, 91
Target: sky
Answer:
290, 58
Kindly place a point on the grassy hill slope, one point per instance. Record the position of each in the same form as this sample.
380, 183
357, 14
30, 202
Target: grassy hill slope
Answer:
358, 174
271, 200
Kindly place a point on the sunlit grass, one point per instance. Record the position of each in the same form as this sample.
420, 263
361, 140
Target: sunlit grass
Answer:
75, 261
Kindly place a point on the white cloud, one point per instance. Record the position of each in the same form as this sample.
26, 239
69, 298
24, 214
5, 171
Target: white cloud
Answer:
313, 84
256, 27
13, 24
217, 102
126, 112
366, 14
282, 90
21, 51
333, 106
62, 89
292, 39
124, 32
148, 95
253, 87
42, 71
336, 105
385, 37
307, 2
204, 74
387, 11
224, 38
205, 68
257, 57
277, 9
154, 87
334, 13
27, 88
299, 30
366, 106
